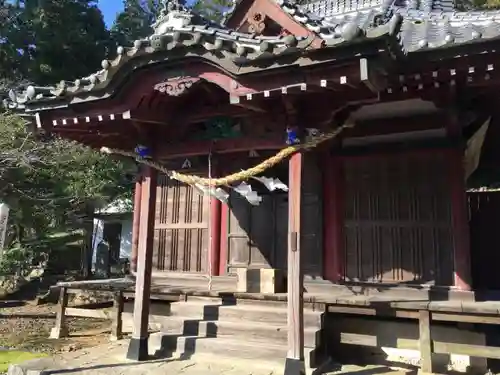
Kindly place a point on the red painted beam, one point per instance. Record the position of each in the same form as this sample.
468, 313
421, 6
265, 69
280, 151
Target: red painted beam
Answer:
200, 114
222, 146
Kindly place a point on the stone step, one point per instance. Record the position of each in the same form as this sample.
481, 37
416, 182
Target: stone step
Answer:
261, 351
200, 310
213, 328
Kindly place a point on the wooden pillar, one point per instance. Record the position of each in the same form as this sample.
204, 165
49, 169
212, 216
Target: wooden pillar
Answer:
138, 347
333, 218
425, 342
135, 223
459, 211
224, 217
460, 222
294, 364
215, 231
61, 329
117, 324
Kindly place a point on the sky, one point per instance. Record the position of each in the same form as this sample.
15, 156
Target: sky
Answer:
110, 8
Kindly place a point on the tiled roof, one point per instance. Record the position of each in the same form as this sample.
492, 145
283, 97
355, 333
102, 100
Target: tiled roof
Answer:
180, 33
421, 31
411, 25
425, 24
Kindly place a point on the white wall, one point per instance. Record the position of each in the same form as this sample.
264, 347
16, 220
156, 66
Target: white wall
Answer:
125, 243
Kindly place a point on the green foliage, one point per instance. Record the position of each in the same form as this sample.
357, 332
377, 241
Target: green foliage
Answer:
135, 21
47, 41
212, 9
49, 183
9, 357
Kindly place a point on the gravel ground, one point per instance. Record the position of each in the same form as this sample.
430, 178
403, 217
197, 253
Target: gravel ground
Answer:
27, 327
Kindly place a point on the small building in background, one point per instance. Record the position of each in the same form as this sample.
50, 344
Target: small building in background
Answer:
112, 239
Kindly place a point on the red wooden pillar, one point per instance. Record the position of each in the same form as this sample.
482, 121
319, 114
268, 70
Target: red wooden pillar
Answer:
215, 235
294, 364
460, 222
224, 217
136, 223
138, 347
333, 218
215, 231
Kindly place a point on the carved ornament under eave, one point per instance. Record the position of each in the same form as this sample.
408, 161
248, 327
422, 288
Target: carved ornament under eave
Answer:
257, 22
176, 87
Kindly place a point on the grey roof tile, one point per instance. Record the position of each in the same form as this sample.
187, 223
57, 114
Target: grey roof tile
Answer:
422, 31
426, 24
411, 25
329, 8
180, 31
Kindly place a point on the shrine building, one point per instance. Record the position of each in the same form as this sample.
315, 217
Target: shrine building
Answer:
367, 233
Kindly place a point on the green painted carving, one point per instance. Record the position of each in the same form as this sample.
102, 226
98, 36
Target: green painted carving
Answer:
220, 128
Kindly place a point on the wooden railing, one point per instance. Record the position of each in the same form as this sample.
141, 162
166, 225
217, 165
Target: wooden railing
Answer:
487, 313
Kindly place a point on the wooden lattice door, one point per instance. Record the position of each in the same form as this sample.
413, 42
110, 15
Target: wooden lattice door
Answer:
181, 228
397, 220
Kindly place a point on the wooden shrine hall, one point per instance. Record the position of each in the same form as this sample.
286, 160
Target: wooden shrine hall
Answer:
364, 243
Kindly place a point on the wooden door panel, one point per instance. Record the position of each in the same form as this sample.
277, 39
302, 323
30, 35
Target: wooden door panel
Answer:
250, 233
265, 227
397, 223
181, 228
238, 252
311, 230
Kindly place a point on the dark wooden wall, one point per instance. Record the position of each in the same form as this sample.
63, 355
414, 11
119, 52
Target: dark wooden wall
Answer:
484, 214
398, 219
312, 216
181, 228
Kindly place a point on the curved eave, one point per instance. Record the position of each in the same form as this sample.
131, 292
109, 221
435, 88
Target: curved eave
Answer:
107, 82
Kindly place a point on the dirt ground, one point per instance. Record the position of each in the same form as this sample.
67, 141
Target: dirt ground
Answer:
26, 326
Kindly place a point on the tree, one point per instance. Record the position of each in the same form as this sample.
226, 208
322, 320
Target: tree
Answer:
48, 182
48, 41
135, 21
212, 9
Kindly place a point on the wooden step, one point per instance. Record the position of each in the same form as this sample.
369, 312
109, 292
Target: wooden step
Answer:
247, 313
226, 347
200, 310
212, 328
